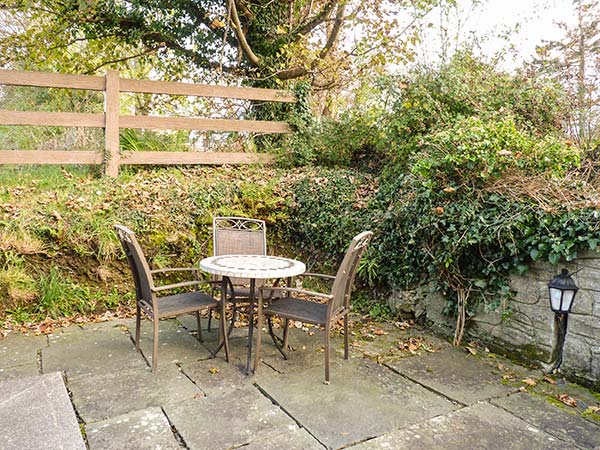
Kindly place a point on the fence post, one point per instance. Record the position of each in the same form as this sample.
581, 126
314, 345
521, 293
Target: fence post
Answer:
111, 124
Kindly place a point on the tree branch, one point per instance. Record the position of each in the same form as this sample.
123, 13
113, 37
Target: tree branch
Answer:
123, 59
300, 71
335, 30
244, 46
317, 19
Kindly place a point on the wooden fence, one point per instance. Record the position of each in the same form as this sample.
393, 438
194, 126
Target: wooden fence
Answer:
113, 85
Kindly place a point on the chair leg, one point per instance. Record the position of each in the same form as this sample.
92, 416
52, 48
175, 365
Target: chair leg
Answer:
222, 322
155, 346
258, 335
138, 320
276, 338
210, 311
346, 336
286, 330
199, 327
327, 330
234, 313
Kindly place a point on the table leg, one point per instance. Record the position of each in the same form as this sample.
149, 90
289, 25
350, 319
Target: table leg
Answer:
224, 317
251, 323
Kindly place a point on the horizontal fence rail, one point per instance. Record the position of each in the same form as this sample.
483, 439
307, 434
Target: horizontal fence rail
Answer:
111, 121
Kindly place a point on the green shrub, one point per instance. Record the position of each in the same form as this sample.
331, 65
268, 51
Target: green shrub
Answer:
474, 152
329, 208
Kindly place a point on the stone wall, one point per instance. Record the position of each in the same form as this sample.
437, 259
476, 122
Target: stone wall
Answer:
523, 326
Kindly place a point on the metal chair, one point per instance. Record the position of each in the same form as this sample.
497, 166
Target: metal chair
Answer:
238, 236
156, 307
336, 304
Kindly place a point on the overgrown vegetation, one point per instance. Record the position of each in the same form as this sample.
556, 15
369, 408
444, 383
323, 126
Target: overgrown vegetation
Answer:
463, 172
477, 182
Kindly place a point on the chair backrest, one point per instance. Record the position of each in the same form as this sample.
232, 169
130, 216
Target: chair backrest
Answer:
140, 270
239, 236
344, 279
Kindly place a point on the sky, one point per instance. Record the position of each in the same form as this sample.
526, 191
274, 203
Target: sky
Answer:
526, 23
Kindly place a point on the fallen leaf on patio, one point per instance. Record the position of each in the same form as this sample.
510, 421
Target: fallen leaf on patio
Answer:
46, 328
529, 382
471, 350
501, 367
593, 409
508, 377
491, 355
214, 370
402, 325
379, 332
199, 395
567, 400
298, 324
547, 379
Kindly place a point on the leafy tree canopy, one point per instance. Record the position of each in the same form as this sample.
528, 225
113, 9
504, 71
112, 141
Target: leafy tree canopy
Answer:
260, 39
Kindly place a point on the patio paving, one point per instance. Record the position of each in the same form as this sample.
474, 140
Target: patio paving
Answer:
435, 397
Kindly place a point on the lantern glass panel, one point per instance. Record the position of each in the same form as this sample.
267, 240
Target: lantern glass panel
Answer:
555, 298
567, 300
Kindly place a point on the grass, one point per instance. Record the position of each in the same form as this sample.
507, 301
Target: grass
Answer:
60, 297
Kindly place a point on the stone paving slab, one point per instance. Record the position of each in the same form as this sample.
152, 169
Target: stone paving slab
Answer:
216, 376
554, 420
480, 426
189, 322
147, 429
109, 395
19, 372
307, 350
175, 344
227, 421
456, 374
20, 350
296, 439
363, 400
92, 350
36, 413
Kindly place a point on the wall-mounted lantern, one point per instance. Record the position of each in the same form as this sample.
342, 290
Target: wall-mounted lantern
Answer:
561, 291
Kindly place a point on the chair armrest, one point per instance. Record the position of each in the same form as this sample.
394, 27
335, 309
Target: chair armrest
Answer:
176, 285
295, 290
318, 275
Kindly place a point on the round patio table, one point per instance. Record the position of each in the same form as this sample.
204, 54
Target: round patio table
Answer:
252, 267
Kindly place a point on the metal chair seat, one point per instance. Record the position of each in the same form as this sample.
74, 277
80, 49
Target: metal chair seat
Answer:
297, 309
185, 303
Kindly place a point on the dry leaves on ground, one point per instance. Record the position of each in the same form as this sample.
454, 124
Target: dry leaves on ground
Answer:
49, 325
567, 400
414, 344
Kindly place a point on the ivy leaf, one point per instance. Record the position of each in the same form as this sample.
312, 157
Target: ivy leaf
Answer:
480, 283
534, 253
